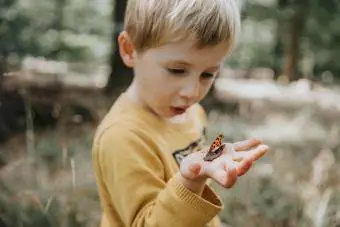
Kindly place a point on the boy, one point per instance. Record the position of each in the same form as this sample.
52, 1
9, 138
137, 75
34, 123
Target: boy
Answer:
148, 150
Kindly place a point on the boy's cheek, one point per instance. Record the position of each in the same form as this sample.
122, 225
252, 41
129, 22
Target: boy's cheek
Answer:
204, 93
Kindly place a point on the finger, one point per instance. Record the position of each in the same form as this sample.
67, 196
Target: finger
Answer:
225, 173
231, 173
255, 153
244, 166
249, 158
195, 169
246, 144
240, 155
191, 166
191, 171
258, 152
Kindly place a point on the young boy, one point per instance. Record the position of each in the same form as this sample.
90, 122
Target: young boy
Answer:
148, 150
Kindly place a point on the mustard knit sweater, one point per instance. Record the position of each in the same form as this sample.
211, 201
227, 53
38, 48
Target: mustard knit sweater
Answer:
136, 156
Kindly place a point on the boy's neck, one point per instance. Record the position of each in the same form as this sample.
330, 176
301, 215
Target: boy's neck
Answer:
132, 94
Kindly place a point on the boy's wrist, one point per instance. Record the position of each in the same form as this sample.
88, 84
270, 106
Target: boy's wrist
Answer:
196, 186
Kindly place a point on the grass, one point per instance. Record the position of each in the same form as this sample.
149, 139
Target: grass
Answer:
49, 181
56, 187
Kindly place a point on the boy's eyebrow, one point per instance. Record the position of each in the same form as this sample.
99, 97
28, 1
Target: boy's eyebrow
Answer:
213, 68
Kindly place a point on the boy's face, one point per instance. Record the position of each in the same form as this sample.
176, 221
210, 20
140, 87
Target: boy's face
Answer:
171, 78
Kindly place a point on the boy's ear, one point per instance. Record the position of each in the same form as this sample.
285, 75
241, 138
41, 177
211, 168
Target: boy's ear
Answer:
126, 49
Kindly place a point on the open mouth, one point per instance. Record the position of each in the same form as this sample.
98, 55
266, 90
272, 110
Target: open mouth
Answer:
178, 110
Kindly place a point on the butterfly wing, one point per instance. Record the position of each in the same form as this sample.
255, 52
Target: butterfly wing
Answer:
214, 154
215, 149
217, 143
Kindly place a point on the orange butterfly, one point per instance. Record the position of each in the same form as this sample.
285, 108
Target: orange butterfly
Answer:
215, 149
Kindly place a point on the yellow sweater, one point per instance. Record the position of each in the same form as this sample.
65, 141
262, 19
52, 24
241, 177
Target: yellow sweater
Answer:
135, 158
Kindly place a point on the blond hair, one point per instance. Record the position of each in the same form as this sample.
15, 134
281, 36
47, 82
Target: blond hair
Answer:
151, 23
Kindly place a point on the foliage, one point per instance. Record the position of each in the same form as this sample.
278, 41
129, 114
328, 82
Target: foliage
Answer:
266, 24
61, 30
81, 31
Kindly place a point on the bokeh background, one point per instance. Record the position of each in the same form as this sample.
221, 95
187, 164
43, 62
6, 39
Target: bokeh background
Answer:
60, 73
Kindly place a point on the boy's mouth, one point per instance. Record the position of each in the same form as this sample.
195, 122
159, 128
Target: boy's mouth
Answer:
179, 110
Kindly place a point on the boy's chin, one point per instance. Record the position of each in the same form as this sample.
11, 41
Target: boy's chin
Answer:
170, 112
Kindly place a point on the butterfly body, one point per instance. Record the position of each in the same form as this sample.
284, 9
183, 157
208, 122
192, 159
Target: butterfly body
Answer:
215, 150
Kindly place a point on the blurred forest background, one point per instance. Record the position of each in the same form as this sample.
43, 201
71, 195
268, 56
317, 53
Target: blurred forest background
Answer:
60, 72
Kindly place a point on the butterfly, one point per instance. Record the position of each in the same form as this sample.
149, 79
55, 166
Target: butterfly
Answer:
215, 149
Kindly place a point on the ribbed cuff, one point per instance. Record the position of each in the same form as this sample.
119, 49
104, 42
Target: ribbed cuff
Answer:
209, 204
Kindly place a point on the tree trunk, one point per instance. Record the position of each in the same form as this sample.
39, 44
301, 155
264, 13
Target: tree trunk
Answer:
120, 76
4, 131
279, 47
59, 26
2, 70
293, 47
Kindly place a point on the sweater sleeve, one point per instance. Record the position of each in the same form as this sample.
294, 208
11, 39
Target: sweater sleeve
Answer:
133, 176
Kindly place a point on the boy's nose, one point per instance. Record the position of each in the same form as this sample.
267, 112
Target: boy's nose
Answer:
190, 91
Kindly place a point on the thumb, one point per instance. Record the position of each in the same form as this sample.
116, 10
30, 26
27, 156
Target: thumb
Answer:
191, 170
195, 169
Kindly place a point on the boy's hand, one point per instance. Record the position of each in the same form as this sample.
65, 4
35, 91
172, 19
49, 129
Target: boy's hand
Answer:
235, 161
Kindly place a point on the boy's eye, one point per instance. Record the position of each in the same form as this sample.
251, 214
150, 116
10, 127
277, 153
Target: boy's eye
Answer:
176, 71
207, 75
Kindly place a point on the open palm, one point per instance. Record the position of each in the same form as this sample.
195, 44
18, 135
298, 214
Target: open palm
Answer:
236, 160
